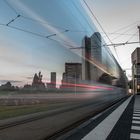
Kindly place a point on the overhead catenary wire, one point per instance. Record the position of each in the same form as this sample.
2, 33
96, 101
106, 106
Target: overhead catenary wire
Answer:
133, 35
19, 15
125, 29
127, 26
40, 35
123, 33
35, 20
11, 7
120, 34
51, 35
66, 5
120, 44
13, 20
101, 27
27, 31
124, 43
23, 30
96, 20
36, 34
38, 21
33, 33
77, 8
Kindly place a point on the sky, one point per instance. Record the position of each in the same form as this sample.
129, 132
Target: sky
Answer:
25, 48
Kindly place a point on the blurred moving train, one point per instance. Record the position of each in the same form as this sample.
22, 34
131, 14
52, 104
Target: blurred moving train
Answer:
86, 78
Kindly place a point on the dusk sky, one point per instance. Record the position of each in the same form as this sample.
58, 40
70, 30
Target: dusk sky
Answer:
22, 54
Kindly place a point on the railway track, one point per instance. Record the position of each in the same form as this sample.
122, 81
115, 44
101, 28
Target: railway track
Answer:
101, 106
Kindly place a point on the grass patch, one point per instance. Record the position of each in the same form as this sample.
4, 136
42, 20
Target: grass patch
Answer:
14, 111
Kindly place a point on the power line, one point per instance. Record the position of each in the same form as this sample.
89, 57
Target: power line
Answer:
30, 32
40, 35
37, 20
73, 15
101, 27
96, 19
124, 43
13, 20
123, 33
36, 34
120, 44
51, 35
26, 31
125, 27
11, 7
33, 33
131, 36
76, 7
122, 28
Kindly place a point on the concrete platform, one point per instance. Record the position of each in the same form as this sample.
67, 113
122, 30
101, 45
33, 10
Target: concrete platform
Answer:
118, 123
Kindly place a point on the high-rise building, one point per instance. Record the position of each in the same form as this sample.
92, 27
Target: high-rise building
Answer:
92, 51
53, 79
96, 50
52, 84
72, 73
86, 53
136, 70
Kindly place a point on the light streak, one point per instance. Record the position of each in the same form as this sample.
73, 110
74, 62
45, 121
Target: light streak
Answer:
84, 86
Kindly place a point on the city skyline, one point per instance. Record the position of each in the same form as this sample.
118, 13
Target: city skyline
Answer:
23, 54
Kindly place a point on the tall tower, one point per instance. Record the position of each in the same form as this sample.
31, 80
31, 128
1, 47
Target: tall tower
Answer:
86, 53
96, 55
96, 50
53, 80
92, 50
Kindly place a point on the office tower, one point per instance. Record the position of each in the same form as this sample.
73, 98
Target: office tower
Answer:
86, 54
96, 50
135, 57
91, 54
53, 79
72, 73
52, 84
